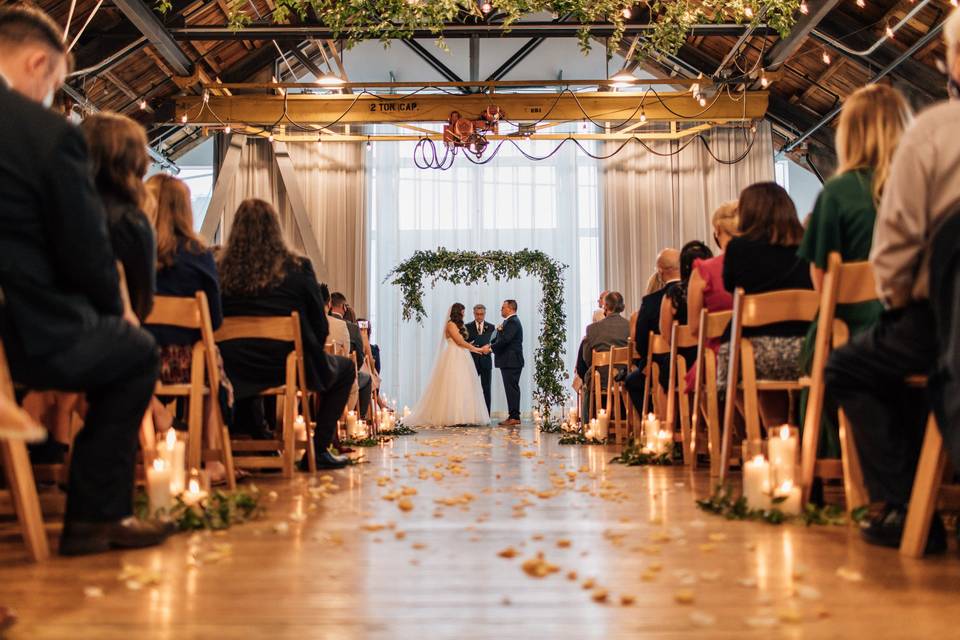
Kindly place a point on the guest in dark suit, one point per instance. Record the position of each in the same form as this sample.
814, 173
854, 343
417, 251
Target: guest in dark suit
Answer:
479, 333
507, 345
648, 319
260, 276
612, 331
62, 318
339, 309
118, 155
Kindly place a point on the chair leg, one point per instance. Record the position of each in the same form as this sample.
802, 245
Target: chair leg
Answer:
23, 490
148, 437
195, 411
923, 497
289, 413
854, 490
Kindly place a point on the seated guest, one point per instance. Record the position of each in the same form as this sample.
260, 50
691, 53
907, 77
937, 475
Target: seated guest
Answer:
600, 313
365, 325
184, 266
260, 276
867, 375
705, 289
763, 257
676, 293
62, 319
612, 331
871, 123
118, 155
648, 319
339, 307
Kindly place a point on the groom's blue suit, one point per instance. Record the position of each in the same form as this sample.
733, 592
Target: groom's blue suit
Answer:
507, 345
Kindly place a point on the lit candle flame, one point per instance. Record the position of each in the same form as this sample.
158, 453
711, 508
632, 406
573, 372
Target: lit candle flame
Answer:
171, 439
785, 432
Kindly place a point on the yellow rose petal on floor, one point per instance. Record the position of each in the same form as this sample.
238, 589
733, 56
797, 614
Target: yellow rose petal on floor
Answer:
684, 596
563, 543
509, 552
405, 504
588, 583
599, 595
627, 600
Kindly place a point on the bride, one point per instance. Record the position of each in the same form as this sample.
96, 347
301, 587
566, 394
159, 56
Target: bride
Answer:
454, 395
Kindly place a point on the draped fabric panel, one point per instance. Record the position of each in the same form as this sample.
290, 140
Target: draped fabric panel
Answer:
330, 177
654, 201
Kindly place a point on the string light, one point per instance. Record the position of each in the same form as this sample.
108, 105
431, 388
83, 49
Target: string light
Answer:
861, 3
486, 7
702, 100
804, 9
369, 146
643, 115
826, 57
270, 137
889, 32
627, 12
183, 119
748, 11
227, 129
764, 80
143, 105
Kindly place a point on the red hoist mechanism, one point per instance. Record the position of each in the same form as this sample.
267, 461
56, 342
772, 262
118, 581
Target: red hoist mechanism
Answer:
463, 133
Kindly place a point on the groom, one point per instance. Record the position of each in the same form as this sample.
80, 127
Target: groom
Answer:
507, 344
479, 333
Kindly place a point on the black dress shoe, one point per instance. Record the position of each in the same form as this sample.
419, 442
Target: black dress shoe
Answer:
886, 530
327, 460
81, 538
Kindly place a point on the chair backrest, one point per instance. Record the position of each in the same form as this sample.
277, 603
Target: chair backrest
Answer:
281, 328
620, 356
855, 280
175, 311
787, 305
683, 337
715, 323
658, 344
600, 358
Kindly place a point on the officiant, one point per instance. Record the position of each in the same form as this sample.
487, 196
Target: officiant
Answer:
479, 333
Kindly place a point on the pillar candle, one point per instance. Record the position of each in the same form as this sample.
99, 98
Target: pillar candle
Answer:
791, 505
664, 442
651, 428
782, 447
351, 423
173, 451
756, 482
158, 486
194, 494
603, 423
300, 428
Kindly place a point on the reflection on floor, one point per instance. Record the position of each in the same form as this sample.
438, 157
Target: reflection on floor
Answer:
489, 533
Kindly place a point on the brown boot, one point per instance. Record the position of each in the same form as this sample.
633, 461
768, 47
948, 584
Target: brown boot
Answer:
82, 538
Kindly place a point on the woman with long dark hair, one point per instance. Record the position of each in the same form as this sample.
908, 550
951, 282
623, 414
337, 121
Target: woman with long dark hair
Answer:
260, 276
118, 153
453, 395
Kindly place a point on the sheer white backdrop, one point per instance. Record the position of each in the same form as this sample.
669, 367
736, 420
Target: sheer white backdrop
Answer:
508, 204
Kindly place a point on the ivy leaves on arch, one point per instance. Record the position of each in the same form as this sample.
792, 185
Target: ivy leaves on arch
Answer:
472, 267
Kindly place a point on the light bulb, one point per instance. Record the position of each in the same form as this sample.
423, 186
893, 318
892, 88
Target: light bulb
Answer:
627, 12
643, 115
826, 58
270, 138
369, 146
748, 11
764, 80
861, 3
889, 32
183, 118
804, 9
702, 101
143, 105
227, 129
486, 7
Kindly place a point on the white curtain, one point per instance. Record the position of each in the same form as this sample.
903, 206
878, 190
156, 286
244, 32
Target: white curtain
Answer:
330, 177
511, 203
654, 201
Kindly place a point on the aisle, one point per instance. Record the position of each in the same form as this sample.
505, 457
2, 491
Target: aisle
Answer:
322, 567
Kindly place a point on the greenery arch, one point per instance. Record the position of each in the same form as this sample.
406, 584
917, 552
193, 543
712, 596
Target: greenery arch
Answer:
472, 267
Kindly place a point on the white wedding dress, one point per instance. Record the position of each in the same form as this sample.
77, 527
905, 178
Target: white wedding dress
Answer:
453, 396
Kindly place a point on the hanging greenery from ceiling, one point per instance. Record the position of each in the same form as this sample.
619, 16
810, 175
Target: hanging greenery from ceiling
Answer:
356, 20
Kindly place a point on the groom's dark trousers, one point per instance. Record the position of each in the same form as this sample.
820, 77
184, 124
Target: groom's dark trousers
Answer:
507, 347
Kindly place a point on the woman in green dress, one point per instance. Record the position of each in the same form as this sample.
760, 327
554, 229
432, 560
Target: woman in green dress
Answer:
871, 122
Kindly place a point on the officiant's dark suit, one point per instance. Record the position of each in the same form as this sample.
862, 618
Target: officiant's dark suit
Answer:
479, 335
507, 346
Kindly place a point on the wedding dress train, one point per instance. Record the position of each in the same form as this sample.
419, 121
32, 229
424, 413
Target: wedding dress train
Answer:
454, 395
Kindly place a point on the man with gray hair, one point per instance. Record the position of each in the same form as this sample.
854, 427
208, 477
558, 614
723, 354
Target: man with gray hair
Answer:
612, 331
479, 333
920, 202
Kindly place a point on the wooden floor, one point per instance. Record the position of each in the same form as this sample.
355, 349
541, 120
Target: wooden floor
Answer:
321, 567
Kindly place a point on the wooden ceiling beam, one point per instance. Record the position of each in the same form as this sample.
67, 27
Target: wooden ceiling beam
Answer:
518, 107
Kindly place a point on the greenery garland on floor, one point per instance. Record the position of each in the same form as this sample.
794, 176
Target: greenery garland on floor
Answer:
724, 502
385, 20
219, 510
634, 456
399, 430
576, 437
472, 267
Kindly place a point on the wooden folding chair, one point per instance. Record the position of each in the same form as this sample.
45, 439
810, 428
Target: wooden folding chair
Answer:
928, 487
843, 283
20, 480
757, 310
194, 313
706, 396
599, 360
282, 329
618, 400
653, 394
680, 338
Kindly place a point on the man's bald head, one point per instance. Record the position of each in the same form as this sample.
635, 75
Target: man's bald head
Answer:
668, 264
